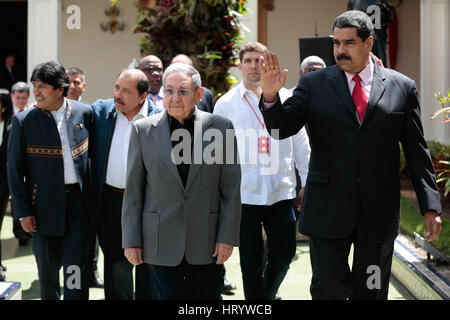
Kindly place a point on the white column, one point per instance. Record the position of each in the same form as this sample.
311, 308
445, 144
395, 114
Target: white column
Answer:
249, 30
434, 64
44, 32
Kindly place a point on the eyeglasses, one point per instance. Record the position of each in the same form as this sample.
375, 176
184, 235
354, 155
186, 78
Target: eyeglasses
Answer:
152, 69
181, 93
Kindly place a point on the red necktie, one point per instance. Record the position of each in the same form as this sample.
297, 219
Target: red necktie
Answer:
359, 97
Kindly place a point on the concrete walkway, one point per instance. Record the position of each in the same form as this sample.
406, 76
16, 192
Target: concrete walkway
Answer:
21, 267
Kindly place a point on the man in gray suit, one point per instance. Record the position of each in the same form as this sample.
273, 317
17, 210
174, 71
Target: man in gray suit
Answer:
181, 211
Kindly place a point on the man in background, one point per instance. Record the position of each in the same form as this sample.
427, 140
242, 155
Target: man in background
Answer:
77, 81
207, 101
20, 93
7, 72
153, 68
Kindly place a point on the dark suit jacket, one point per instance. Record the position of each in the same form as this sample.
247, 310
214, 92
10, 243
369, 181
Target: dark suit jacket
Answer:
101, 136
207, 102
3, 154
354, 168
36, 168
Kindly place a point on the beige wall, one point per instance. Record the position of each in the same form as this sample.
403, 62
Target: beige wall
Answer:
408, 56
293, 19
101, 55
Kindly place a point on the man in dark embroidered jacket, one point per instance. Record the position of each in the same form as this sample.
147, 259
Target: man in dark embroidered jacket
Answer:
48, 177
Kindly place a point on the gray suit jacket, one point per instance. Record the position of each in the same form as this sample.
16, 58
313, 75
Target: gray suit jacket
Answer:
167, 220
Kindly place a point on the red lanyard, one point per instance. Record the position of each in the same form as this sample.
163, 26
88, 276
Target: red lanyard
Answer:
262, 123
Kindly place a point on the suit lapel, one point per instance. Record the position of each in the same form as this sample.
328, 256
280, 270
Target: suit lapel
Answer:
161, 139
340, 85
112, 116
204, 122
377, 90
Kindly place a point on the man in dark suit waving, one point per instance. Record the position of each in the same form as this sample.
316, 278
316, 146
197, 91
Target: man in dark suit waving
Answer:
356, 112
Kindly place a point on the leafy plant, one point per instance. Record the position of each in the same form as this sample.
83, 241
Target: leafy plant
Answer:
443, 170
208, 31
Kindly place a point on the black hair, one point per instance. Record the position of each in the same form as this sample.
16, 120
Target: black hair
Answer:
53, 74
355, 19
5, 102
142, 84
73, 71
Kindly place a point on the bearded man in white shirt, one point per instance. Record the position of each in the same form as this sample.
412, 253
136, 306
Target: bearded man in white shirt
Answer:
268, 181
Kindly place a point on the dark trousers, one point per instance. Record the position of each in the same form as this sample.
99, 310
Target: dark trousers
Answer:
68, 251
118, 272
262, 280
93, 255
187, 282
332, 277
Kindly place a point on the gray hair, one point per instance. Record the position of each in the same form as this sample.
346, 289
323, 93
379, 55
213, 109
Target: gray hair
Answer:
311, 60
20, 87
185, 68
73, 71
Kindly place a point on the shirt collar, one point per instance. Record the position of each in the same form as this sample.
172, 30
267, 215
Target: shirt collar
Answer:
173, 123
143, 112
16, 110
58, 113
243, 90
366, 74
160, 94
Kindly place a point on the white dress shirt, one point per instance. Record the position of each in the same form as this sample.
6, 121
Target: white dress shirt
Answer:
16, 110
70, 175
366, 76
118, 154
261, 185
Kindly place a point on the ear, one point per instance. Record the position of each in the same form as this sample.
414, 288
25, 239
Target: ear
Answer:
143, 97
200, 93
369, 43
240, 66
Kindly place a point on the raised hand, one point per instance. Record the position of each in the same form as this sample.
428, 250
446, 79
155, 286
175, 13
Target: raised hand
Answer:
272, 80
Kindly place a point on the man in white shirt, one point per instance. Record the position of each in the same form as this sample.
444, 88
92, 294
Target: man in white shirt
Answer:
77, 86
113, 121
268, 181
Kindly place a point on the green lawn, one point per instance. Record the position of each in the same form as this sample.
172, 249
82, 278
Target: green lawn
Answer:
412, 221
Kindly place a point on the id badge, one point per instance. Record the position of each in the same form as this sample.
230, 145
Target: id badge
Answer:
263, 145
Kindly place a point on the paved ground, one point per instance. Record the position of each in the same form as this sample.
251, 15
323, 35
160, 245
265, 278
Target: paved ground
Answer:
21, 267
